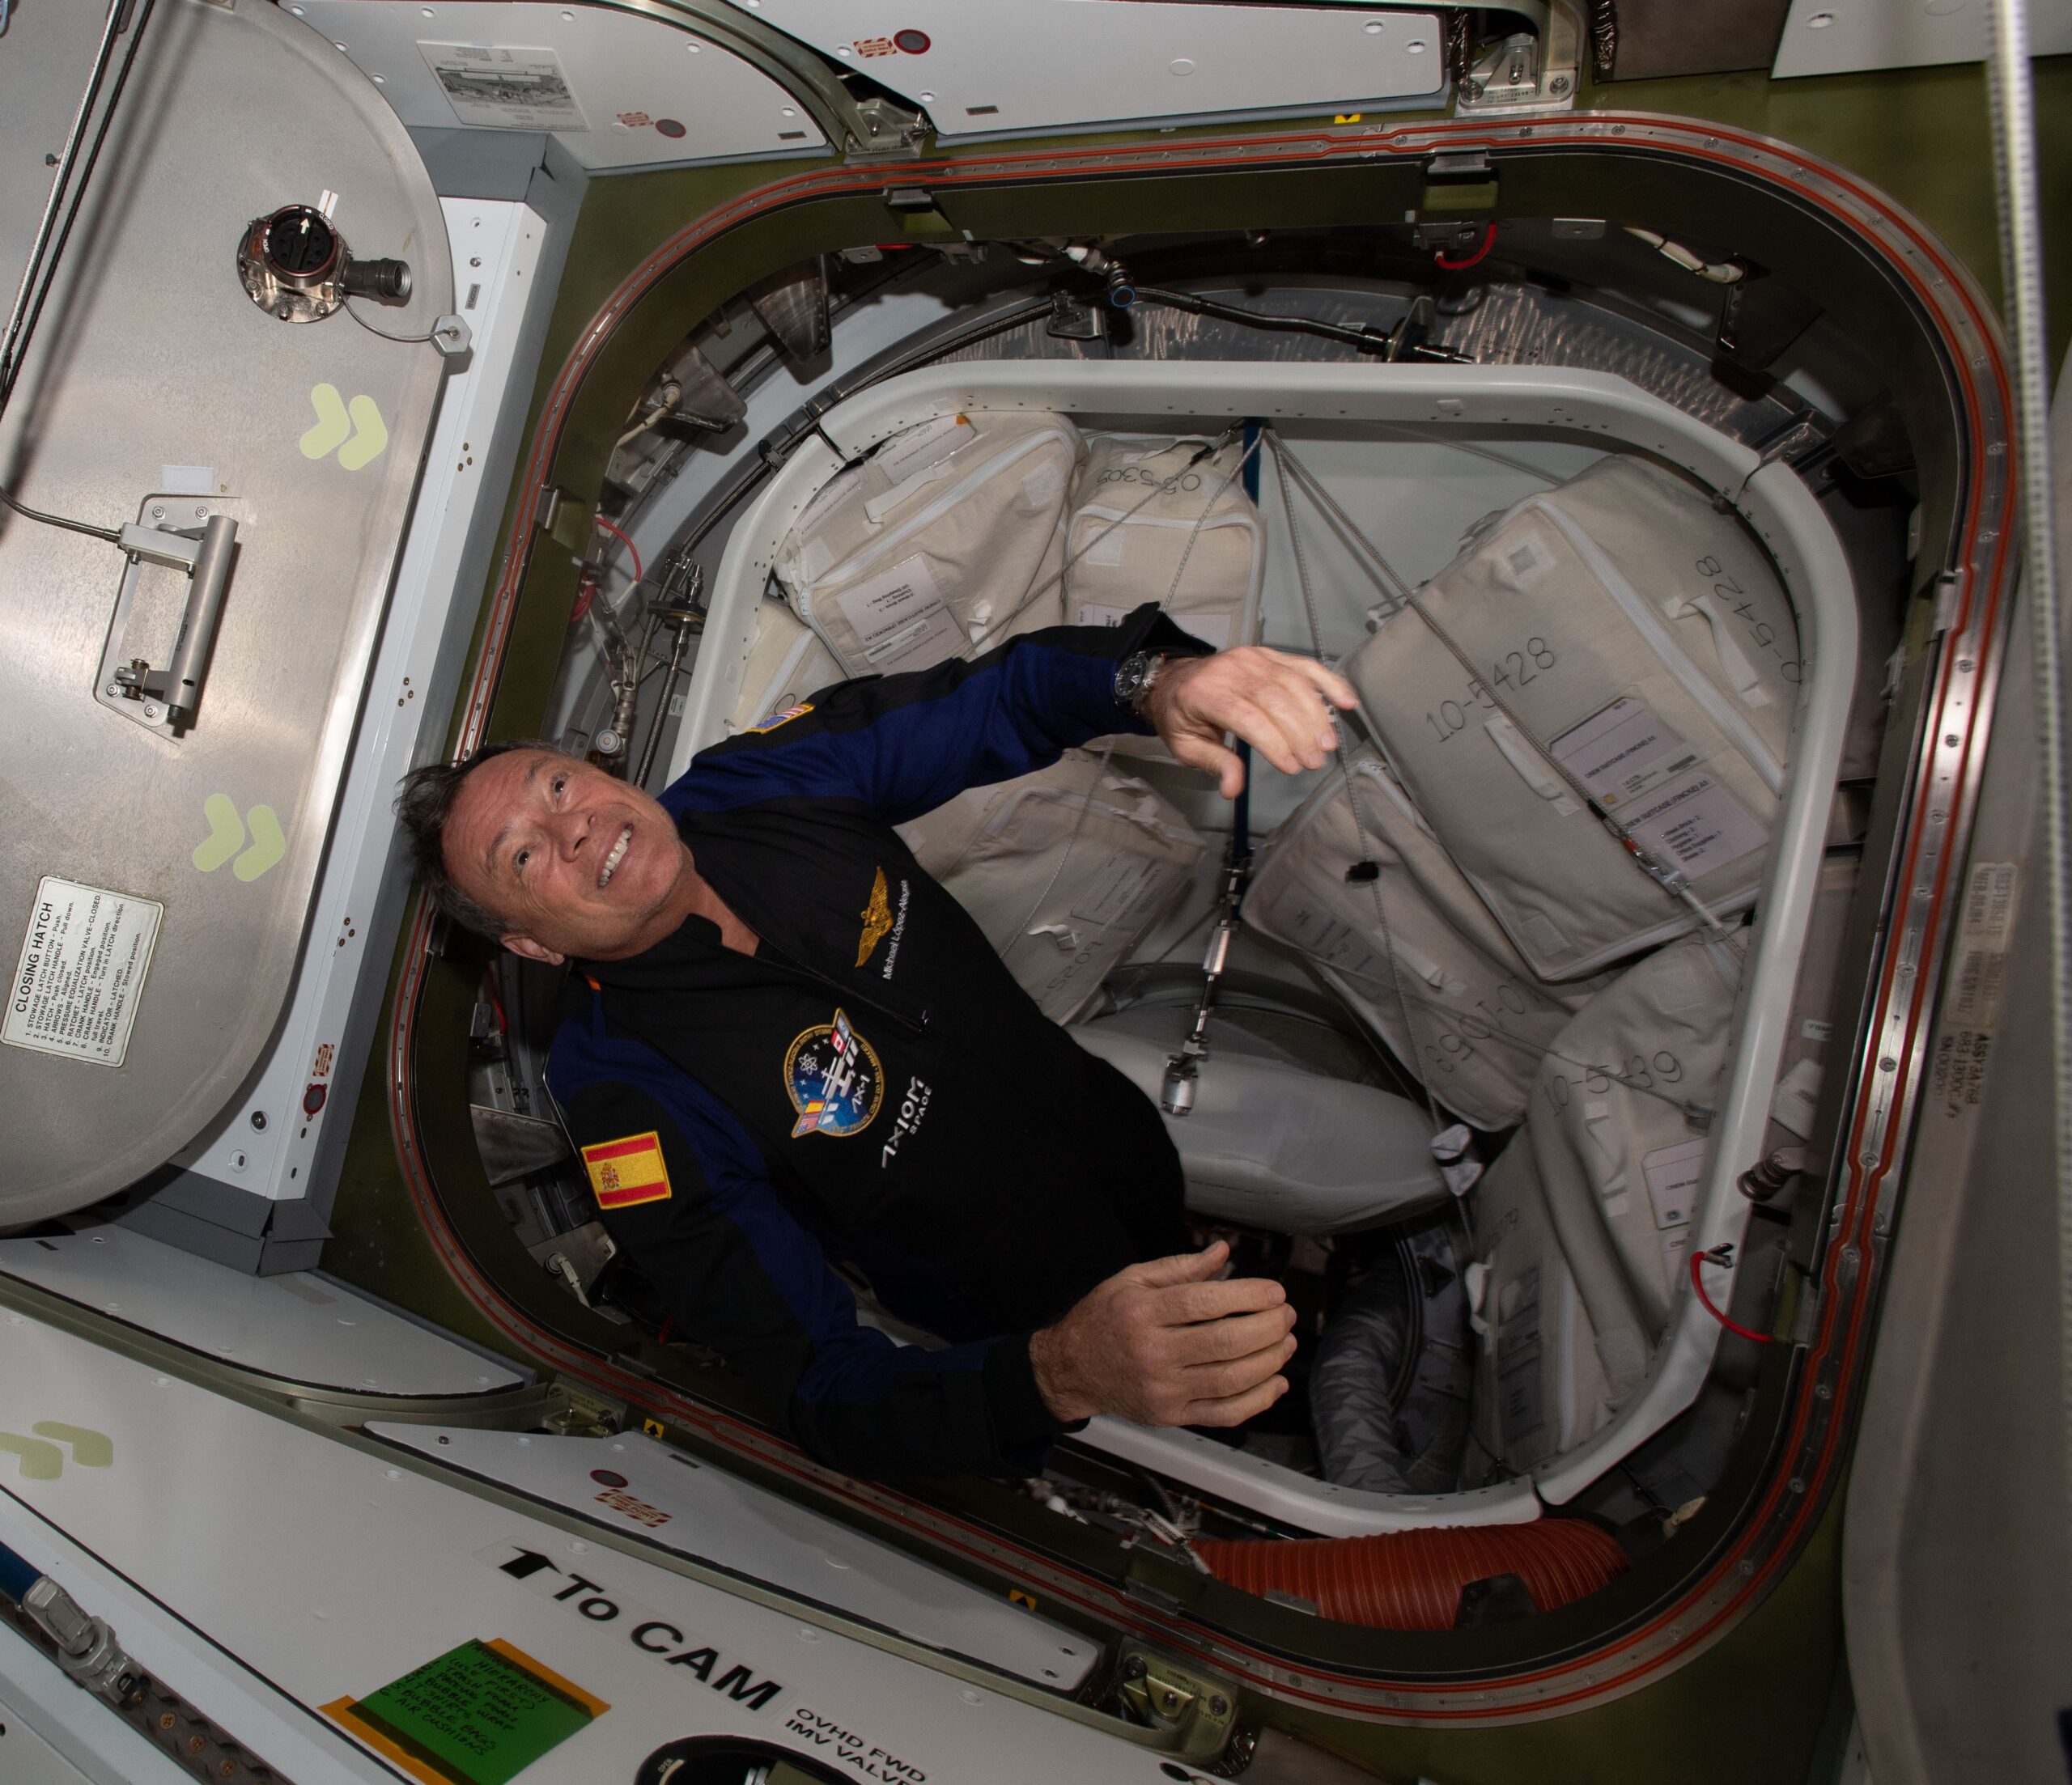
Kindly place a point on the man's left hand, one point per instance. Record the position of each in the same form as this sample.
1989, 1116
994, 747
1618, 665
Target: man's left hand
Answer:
1278, 704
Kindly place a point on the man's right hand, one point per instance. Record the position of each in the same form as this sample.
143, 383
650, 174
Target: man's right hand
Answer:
1163, 1344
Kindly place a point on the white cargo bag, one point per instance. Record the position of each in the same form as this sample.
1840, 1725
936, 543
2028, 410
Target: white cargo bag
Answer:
1478, 1021
1643, 639
1271, 1142
1539, 1390
949, 538
786, 664
1064, 870
1618, 1124
1148, 525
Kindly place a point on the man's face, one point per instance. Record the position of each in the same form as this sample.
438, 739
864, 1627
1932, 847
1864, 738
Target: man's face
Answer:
573, 860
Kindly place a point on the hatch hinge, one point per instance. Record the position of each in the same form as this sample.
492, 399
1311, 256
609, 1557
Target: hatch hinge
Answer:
1198, 1710
892, 131
1524, 70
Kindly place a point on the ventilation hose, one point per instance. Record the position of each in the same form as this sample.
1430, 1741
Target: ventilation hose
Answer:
1412, 1581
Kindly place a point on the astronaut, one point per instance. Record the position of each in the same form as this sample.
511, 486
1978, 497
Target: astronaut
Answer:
789, 1049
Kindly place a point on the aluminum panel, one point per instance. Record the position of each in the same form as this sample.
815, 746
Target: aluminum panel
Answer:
310, 1567
1035, 64
632, 1484
1844, 37
156, 384
640, 90
298, 1327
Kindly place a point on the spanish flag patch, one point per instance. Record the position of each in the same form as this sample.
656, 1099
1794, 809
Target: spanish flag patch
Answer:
625, 1173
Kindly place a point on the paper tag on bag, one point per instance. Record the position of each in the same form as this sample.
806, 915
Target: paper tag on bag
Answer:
900, 616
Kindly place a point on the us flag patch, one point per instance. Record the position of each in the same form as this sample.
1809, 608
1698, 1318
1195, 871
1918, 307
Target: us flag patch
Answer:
625, 1173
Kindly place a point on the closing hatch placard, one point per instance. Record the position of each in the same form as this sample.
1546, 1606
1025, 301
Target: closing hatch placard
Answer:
81, 971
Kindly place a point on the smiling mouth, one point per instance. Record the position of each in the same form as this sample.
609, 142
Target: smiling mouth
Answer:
616, 856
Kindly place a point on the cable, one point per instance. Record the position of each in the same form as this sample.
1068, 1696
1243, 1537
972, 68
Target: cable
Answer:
2021, 249
41, 271
1718, 1313
19, 345
1480, 254
11, 346
1345, 771
407, 341
87, 528
639, 571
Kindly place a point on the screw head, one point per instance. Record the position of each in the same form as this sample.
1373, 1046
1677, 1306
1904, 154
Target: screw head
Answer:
1219, 1706
1558, 86
1133, 1667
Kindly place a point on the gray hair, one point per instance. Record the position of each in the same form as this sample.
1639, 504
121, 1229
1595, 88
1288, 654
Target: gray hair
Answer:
422, 807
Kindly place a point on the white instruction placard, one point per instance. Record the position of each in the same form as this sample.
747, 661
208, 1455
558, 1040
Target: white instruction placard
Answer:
1622, 751
1213, 630
504, 88
1127, 892
83, 960
826, 501
900, 616
1695, 823
1675, 1176
919, 448
1325, 938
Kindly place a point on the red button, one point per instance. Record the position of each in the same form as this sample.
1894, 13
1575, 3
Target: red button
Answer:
915, 43
606, 1477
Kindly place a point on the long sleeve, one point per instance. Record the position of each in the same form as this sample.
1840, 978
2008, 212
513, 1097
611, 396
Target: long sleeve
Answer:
681, 1188
901, 745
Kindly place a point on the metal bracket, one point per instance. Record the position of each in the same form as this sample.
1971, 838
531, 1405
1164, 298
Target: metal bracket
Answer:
1199, 1709
1525, 72
163, 696
86, 1648
452, 337
894, 131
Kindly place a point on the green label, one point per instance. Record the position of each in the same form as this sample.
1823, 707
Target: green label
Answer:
477, 1715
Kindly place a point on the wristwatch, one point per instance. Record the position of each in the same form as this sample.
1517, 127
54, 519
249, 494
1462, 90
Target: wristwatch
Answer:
1135, 675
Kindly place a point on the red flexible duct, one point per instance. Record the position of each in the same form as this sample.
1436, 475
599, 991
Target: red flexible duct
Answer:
1412, 1581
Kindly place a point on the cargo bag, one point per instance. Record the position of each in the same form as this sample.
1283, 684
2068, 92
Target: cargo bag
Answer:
1623, 639
786, 664
1271, 1142
1470, 1019
948, 539
1064, 870
1618, 1125
1539, 1388
1148, 524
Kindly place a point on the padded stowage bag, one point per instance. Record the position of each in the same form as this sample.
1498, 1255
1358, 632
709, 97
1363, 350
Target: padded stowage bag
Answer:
948, 539
1271, 1142
1148, 525
1642, 639
1617, 1124
1540, 1389
786, 664
1064, 870
1470, 1018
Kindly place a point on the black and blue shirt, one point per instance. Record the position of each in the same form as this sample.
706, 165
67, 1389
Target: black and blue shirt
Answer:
871, 1088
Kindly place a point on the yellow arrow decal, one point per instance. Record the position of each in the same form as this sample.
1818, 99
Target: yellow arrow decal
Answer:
332, 429
366, 446
91, 1449
268, 844
40, 1462
226, 835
